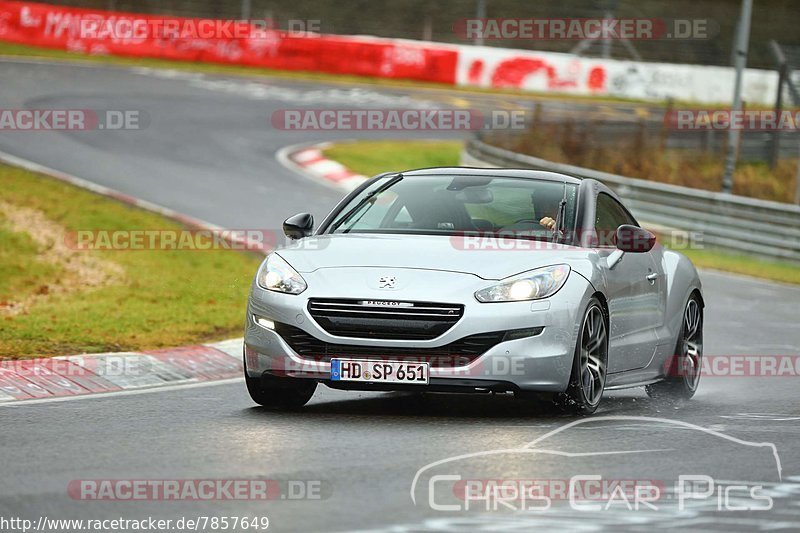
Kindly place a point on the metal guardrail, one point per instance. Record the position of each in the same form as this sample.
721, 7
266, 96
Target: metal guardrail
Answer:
618, 125
748, 225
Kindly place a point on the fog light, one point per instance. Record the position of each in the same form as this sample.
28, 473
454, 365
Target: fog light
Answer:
264, 322
515, 334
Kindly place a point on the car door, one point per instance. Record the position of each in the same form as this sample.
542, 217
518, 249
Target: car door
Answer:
634, 287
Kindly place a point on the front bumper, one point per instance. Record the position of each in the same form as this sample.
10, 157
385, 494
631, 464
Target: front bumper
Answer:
542, 362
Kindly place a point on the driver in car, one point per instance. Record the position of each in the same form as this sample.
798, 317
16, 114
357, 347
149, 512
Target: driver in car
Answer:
544, 204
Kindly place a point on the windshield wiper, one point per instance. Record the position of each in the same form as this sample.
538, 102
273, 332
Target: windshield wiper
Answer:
560, 216
369, 196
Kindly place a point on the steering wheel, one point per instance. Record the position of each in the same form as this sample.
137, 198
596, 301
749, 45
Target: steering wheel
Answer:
531, 221
525, 225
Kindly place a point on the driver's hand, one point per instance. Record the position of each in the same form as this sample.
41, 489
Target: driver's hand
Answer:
548, 223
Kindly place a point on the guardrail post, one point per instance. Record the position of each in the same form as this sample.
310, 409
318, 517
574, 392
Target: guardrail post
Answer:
537, 115
480, 13
797, 183
776, 135
740, 56
640, 142
665, 129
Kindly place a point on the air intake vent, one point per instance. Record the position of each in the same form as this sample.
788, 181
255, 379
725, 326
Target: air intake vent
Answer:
457, 353
384, 319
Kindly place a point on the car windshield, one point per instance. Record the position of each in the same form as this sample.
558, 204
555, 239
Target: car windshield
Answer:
449, 205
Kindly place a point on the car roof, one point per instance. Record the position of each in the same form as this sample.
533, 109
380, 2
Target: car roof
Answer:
493, 172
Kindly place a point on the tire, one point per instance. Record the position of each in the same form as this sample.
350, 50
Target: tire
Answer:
590, 364
280, 393
683, 370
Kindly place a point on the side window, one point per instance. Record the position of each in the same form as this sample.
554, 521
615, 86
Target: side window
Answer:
610, 216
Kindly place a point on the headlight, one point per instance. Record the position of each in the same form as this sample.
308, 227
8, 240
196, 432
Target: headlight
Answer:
533, 285
277, 275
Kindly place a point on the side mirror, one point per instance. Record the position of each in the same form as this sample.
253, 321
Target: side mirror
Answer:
298, 226
634, 239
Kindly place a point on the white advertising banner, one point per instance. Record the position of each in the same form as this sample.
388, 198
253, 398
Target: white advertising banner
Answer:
483, 66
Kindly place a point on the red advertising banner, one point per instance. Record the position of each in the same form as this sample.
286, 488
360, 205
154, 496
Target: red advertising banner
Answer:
217, 41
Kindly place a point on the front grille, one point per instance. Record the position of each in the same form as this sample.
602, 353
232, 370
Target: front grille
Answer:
384, 319
457, 353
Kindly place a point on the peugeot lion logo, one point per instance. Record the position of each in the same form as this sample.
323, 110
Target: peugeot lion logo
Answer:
387, 282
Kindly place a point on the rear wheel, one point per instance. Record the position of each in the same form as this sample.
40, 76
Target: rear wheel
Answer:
684, 368
280, 393
590, 364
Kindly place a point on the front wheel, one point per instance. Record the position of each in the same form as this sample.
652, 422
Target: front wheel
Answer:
280, 393
683, 369
590, 363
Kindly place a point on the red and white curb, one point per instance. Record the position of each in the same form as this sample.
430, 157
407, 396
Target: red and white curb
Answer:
311, 161
78, 375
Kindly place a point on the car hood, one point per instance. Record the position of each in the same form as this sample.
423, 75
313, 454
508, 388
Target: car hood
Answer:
490, 259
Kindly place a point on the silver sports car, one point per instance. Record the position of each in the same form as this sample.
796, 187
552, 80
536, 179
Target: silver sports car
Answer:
474, 280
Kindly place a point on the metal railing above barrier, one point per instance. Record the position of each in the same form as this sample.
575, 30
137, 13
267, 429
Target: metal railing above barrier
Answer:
748, 225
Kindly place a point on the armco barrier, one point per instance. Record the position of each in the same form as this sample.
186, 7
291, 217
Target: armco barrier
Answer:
748, 225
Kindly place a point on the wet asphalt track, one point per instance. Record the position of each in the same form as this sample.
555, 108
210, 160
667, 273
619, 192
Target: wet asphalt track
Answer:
209, 152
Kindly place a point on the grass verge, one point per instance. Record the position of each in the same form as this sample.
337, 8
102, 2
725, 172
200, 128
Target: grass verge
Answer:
645, 156
723, 260
375, 157
372, 157
56, 300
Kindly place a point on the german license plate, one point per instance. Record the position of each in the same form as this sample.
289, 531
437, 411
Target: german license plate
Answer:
379, 371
